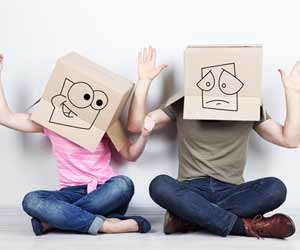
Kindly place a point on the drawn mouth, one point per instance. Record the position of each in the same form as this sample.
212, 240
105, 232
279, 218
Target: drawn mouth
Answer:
67, 111
217, 101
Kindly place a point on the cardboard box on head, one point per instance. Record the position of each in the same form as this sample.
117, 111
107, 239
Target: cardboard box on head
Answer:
222, 82
83, 101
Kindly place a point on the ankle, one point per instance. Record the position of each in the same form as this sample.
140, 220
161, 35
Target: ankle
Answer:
122, 226
239, 227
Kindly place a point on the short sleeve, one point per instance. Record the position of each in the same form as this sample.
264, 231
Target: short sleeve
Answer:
173, 110
263, 116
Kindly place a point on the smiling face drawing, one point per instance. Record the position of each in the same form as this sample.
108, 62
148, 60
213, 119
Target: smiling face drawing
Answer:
220, 86
78, 105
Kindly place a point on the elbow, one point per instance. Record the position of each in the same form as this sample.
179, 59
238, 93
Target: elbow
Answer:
133, 125
131, 158
5, 117
127, 154
290, 140
292, 143
134, 128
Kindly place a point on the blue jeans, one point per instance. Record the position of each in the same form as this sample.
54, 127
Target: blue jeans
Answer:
72, 209
216, 205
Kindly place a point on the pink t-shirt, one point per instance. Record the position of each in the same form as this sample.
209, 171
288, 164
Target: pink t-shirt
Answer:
77, 166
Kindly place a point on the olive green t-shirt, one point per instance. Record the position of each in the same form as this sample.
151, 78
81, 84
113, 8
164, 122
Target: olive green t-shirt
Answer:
212, 148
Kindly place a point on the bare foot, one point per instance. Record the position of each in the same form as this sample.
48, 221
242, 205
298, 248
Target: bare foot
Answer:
113, 220
119, 226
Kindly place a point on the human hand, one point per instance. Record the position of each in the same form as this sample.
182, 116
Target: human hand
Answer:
148, 126
291, 81
147, 69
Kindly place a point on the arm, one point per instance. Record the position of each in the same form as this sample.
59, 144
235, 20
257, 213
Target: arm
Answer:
147, 71
132, 151
287, 135
17, 121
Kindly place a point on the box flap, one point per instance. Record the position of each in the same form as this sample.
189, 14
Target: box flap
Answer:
174, 98
122, 105
117, 135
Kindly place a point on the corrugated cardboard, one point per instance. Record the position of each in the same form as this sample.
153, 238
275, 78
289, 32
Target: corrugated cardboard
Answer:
223, 82
82, 100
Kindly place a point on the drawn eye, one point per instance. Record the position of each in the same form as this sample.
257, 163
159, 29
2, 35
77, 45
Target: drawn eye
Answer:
100, 100
229, 84
81, 95
207, 82
86, 97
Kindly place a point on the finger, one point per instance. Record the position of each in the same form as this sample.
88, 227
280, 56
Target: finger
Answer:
282, 74
150, 53
140, 58
144, 55
149, 123
296, 67
153, 56
1, 57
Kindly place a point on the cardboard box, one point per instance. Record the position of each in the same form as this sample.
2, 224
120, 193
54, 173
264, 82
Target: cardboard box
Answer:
82, 101
223, 82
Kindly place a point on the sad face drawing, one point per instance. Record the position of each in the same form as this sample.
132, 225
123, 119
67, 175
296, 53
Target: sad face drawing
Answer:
77, 105
220, 86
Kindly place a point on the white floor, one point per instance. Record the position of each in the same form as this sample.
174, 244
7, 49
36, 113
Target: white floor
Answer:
15, 233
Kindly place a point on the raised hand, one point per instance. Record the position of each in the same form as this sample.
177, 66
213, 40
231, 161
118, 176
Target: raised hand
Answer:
291, 81
147, 68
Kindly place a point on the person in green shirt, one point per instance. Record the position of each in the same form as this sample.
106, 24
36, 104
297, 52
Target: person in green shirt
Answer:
210, 192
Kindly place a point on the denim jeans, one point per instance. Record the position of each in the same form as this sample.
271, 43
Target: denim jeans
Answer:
72, 209
215, 205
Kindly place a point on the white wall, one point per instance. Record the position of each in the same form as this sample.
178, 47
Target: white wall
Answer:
34, 33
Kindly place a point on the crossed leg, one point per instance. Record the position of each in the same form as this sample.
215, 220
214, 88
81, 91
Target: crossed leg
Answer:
255, 197
69, 210
195, 206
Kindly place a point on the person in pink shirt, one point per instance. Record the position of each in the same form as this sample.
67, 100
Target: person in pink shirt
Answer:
92, 198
